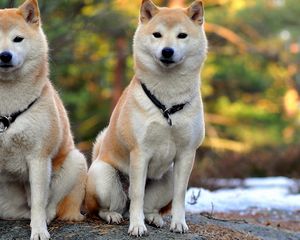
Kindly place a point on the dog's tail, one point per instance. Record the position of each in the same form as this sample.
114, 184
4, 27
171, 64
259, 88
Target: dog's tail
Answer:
97, 144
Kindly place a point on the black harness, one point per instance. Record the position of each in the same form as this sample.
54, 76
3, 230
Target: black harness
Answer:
6, 121
165, 111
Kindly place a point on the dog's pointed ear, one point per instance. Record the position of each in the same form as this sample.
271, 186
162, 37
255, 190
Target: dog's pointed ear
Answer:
148, 10
30, 11
196, 12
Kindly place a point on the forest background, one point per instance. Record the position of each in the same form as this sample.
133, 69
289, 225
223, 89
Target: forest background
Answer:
250, 81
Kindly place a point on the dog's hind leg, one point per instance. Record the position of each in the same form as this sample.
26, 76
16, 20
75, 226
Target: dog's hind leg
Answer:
105, 192
158, 196
68, 189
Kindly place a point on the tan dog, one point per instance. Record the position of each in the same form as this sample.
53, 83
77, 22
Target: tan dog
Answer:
157, 124
42, 174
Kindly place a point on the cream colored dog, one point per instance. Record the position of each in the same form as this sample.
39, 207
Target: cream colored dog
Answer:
157, 124
42, 174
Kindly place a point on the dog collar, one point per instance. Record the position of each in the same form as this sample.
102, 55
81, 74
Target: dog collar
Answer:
6, 121
166, 112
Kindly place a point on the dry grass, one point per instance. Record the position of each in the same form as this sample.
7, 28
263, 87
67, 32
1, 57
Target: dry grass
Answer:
276, 220
97, 226
214, 232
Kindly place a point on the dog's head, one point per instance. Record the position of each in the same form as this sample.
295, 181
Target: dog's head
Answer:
23, 46
169, 37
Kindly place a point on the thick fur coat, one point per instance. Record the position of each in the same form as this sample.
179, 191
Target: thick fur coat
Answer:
169, 49
42, 174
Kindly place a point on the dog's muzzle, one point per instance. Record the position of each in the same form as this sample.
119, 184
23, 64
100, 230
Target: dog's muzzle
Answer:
167, 56
6, 62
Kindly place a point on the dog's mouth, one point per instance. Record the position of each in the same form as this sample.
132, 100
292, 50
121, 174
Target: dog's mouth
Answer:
6, 66
170, 63
167, 62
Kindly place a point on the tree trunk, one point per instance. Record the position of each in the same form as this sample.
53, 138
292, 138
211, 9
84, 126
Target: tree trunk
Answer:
10, 3
120, 69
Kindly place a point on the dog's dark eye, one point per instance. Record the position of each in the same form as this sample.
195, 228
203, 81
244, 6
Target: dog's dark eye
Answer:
182, 35
157, 35
18, 39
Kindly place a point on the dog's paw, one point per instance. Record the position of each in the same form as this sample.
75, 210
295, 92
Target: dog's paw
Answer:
51, 214
72, 217
179, 227
111, 217
39, 234
137, 230
154, 219
114, 217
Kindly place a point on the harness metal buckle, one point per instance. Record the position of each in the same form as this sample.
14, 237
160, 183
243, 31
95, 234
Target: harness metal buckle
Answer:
4, 124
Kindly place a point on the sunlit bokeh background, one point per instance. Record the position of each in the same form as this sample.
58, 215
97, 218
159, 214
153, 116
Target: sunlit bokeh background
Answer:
250, 81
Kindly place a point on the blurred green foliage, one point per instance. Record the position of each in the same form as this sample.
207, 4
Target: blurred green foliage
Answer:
250, 81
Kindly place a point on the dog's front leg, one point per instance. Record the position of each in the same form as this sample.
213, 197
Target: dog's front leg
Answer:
137, 179
182, 169
39, 178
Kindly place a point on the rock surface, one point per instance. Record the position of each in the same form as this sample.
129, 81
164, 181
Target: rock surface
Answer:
201, 227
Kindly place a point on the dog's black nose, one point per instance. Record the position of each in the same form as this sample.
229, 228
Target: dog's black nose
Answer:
5, 57
167, 52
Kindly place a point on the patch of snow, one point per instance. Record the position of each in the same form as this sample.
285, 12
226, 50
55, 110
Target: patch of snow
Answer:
256, 193
271, 182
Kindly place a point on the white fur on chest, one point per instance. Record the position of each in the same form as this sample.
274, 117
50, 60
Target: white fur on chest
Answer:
22, 141
162, 142
15, 145
160, 146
